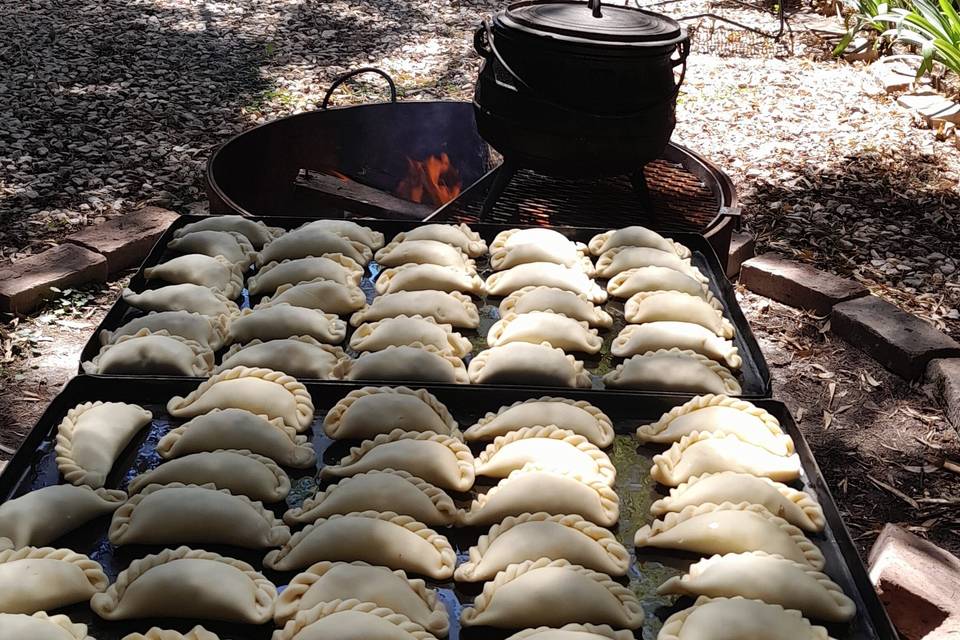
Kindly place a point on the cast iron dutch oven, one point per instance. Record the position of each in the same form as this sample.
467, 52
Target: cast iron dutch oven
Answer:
579, 88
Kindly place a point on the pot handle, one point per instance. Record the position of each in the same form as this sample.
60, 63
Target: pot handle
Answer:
683, 48
339, 80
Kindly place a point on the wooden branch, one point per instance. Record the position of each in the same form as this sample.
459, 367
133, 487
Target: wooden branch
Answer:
361, 199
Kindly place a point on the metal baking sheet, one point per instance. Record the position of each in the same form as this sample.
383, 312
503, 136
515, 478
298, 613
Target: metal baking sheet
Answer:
754, 376
34, 466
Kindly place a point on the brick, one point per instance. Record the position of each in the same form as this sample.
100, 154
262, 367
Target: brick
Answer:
918, 583
944, 375
25, 283
901, 342
125, 241
741, 249
796, 284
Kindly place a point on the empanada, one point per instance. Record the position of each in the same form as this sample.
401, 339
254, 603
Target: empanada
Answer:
534, 489
349, 229
651, 306
729, 528
407, 330
632, 281
441, 460
452, 308
796, 507
378, 490
41, 516
424, 252
719, 413
149, 353
213, 272
253, 230
380, 538
181, 297
545, 274
231, 245
188, 583
322, 294
40, 626
677, 370
566, 254
40, 579
284, 320
260, 391
528, 364
92, 435
700, 453
531, 536
573, 305
207, 330
573, 632
429, 277
772, 579
723, 618
460, 236
239, 429
580, 417
635, 236
537, 327
545, 446
156, 633
619, 259
308, 241
335, 266
299, 356
351, 620
164, 514
510, 238
529, 594
238, 471
329, 581
637, 339
370, 411
414, 362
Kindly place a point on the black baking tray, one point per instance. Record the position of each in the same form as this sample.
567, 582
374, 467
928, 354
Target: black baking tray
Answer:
754, 375
34, 466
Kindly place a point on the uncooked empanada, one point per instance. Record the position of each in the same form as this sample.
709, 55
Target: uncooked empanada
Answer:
329, 581
370, 411
580, 417
796, 507
700, 453
635, 236
149, 353
407, 330
350, 229
573, 305
336, 267
41, 516
156, 633
619, 259
637, 339
41, 626
452, 308
523, 253
378, 490
380, 538
528, 364
679, 370
633, 281
510, 238
40, 579
537, 327
545, 446
351, 620
213, 272
719, 413
424, 252
729, 528
723, 618
92, 435
207, 330
299, 356
239, 429
188, 583
545, 274
308, 241
415, 362
772, 579
460, 236
261, 391
441, 460
531, 536
534, 489
181, 297
525, 595
651, 306
231, 245
429, 277
238, 471
326, 295
284, 320
255, 231
573, 632
163, 514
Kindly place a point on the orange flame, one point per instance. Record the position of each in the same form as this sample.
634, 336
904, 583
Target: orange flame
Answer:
334, 173
432, 181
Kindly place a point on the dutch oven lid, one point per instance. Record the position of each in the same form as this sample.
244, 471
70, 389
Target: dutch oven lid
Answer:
591, 22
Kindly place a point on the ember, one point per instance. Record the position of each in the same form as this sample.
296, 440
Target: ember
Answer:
432, 181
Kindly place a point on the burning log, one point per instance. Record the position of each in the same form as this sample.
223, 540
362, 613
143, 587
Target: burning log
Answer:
338, 190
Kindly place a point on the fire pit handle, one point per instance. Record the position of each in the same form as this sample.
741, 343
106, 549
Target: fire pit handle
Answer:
339, 80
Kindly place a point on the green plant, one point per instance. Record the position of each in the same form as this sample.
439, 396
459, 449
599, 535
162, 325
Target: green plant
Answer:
932, 25
862, 15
